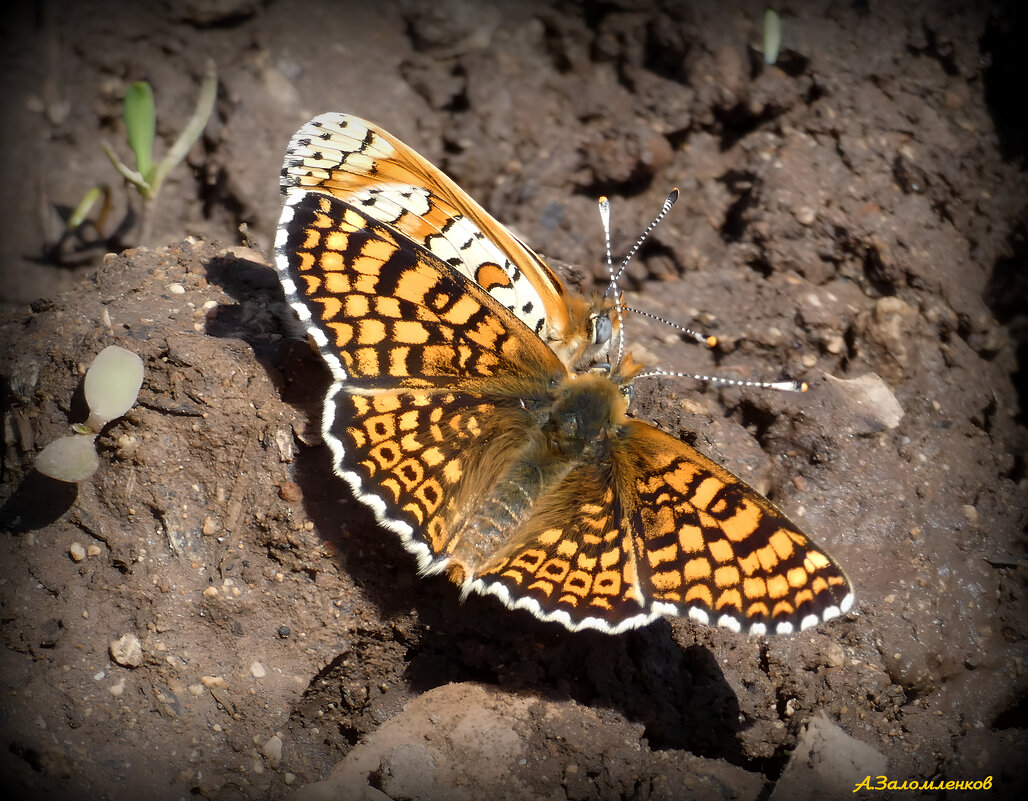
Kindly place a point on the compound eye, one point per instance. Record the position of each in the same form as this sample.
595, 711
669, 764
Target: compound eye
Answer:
628, 392
603, 328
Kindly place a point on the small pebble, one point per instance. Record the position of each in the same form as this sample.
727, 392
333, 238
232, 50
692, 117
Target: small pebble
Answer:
272, 749
77, 552
805, 215
118, 687
290, 492
835, 344
127, 651
693, 407
93, 550
834, 655
257, 670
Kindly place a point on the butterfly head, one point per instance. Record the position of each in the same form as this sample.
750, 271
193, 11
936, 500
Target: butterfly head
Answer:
587, 336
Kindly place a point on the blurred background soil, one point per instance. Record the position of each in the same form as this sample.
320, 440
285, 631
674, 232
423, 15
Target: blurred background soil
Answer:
855, 211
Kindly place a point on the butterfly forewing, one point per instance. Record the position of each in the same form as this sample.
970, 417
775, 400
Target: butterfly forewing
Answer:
360, 163
388, 312
720, 551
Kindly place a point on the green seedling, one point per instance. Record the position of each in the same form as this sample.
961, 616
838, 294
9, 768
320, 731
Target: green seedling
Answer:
83, 236
140, 116
70, 459
139, 113
81, 211
111, 388
772, 36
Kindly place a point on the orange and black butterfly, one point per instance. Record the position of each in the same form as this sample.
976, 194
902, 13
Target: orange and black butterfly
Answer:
465, 410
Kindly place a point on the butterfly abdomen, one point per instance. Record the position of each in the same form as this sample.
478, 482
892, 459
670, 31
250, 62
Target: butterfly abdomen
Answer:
574, 420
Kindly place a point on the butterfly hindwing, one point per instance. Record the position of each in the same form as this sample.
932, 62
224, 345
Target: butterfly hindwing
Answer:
422, 460
657, 528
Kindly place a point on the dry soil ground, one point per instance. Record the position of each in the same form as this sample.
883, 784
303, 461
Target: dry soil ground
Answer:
858, 209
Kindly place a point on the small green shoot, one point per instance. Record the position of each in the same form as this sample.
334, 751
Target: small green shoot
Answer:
140, 116
81, 212
112, 385
772, 36
111, 388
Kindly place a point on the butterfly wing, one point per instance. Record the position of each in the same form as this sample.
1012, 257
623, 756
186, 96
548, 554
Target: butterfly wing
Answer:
660, 529
358, 162
435, 382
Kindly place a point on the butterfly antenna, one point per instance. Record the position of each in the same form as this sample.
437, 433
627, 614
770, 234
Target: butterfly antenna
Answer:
613, 286
703, 339
668, 203
786, 386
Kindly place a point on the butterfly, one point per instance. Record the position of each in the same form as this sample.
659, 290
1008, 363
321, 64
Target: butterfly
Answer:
465, 410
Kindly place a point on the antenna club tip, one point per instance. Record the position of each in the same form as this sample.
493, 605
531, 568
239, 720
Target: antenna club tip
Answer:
803, 386
711, 341
603, 199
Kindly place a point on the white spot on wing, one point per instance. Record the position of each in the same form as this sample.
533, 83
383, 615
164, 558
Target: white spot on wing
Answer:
729, 622
809, 622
